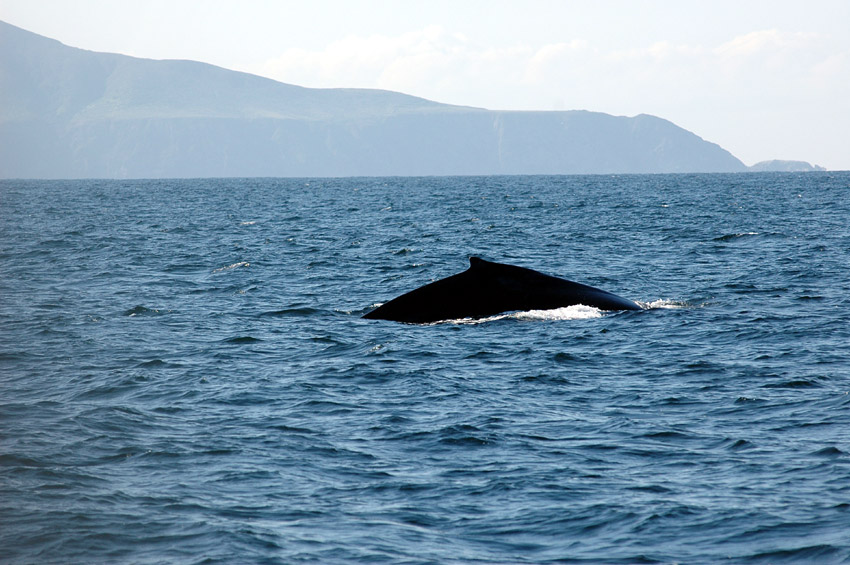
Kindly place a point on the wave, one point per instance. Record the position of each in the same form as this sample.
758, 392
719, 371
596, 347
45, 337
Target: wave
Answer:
734, 236
233, 266
663, 303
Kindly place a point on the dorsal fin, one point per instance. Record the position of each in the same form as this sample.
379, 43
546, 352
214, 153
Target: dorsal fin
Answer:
477, 262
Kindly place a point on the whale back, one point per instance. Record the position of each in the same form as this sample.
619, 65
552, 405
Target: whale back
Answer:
487, 288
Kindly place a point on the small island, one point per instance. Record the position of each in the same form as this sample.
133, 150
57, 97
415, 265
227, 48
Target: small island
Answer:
782, 166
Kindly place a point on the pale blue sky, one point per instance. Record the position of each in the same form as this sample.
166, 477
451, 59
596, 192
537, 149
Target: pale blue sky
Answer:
764, 79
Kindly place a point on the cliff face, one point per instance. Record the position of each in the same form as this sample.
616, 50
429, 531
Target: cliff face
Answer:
70, 113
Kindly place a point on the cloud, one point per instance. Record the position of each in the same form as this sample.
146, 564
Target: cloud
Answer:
552, 58
373, 61
765, 41
431, 62
446, 66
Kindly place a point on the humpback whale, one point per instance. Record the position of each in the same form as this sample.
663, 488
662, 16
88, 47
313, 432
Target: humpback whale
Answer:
487, 289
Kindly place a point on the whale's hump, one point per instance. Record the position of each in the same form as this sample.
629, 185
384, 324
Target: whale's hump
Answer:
488, 288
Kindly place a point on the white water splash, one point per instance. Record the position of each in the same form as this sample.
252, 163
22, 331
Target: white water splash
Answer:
576, 312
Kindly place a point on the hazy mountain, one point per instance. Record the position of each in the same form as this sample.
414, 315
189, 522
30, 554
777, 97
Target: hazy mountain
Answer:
70, 113
777, 165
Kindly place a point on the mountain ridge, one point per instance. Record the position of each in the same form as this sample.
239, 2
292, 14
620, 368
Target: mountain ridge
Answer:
70, 113
124, 79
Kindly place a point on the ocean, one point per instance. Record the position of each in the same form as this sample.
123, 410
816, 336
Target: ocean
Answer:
185, 376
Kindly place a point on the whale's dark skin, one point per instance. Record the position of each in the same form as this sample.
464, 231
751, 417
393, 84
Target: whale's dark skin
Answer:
487, 289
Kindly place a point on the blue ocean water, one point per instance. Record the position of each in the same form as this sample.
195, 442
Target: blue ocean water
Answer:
185, 375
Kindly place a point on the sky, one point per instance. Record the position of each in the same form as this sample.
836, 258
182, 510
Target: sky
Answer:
763, 79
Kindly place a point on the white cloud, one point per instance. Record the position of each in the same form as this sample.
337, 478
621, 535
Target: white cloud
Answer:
436, 63
553, 59
771, 41
431, 62
370, 61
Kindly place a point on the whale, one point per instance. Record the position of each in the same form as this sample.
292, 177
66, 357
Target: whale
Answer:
486, 289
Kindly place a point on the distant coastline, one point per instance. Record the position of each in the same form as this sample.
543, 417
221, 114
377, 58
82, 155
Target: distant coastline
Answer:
71, 113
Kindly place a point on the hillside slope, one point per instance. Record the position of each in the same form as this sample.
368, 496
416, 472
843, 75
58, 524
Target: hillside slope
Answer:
71, 113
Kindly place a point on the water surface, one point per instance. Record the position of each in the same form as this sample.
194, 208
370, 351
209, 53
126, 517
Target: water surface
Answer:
186, 376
